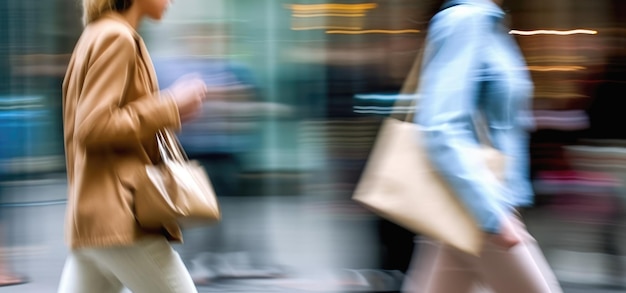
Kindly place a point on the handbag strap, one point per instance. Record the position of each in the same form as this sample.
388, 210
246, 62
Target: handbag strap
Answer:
169, 147
411, 84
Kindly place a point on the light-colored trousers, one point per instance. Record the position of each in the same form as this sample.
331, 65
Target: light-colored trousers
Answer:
437, 268
149, 266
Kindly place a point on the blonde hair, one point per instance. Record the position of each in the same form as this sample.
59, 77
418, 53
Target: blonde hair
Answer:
93, 9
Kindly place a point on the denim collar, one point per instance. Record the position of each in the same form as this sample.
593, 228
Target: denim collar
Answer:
491, 8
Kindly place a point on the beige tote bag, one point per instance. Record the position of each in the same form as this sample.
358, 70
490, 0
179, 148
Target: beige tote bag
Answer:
400, 184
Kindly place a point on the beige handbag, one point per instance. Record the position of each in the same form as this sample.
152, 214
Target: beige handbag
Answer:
177, 191
400, 184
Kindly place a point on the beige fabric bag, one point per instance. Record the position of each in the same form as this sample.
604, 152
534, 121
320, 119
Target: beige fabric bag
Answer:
177, 191
400, 184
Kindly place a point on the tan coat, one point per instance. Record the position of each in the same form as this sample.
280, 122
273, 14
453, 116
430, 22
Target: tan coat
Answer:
111, 111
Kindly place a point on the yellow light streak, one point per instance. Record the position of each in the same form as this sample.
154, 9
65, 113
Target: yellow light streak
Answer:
330, 15
553, 32
325, 27
338, 11
360, 32
332, 6
555, 68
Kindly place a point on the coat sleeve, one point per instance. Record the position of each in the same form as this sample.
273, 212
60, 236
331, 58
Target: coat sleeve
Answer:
102, 118
448, 99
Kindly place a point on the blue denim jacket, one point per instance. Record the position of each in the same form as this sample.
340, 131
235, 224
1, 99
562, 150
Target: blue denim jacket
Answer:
471, 67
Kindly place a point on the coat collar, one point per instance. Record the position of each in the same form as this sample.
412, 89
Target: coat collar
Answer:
117, 17
141, 47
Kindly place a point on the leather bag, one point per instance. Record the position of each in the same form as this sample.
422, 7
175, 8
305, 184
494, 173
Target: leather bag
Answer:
177, 190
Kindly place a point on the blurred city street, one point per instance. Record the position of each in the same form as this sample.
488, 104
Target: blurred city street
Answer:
299, 235
299, 90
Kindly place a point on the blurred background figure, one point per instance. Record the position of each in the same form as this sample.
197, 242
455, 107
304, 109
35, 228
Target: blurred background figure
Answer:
8, 277
219, 139
12, 117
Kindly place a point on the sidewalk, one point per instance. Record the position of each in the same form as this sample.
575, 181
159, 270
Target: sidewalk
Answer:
314, 242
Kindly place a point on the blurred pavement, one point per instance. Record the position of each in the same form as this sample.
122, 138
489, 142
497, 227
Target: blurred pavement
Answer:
34, 214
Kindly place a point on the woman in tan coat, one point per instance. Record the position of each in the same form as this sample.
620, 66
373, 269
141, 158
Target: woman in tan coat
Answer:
112, 109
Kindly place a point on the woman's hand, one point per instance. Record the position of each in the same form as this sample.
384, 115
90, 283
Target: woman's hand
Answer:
188, 92
507, 238
226, 86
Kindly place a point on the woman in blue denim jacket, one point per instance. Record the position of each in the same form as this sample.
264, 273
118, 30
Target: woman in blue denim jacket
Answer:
473, 70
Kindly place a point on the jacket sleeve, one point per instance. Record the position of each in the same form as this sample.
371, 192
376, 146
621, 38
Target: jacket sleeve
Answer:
102, 116
448, 99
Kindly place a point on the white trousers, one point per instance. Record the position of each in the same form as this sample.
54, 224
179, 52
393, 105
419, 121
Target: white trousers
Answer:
149, 266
